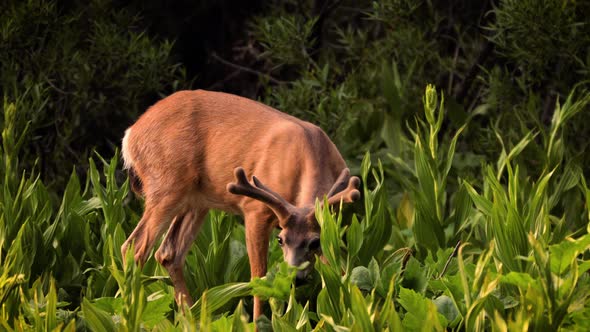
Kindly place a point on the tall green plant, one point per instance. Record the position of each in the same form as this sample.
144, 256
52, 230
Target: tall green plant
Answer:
429, 177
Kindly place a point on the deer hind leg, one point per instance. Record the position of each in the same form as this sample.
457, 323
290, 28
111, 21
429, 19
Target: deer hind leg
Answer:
173, 250
156, 218
258, 229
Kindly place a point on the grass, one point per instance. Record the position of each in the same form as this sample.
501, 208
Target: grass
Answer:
507, 251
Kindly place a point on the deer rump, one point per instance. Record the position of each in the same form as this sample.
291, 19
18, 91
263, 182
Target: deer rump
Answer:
192, 151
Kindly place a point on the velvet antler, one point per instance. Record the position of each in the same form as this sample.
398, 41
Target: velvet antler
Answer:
260, 192
344, 189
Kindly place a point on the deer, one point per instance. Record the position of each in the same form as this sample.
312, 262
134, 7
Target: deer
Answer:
194, 151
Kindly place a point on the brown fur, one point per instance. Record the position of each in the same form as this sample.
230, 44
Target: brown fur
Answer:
181, 154
135, 182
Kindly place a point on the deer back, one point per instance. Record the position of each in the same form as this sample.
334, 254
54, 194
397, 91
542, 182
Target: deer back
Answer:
192, 141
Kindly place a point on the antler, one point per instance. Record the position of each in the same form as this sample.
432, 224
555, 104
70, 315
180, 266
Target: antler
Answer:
260, 192
345, 189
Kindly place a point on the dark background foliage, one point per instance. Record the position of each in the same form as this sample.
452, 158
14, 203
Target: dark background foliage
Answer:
86, 70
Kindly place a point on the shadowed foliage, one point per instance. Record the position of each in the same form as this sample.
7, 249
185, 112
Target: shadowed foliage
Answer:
474, 207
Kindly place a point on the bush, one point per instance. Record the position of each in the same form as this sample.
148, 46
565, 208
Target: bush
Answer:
82, 74
358, 69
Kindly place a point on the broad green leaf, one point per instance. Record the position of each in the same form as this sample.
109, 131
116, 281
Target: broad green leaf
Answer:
361, 277
405, 212
455, 291
375, 273
278, 324
474, 318
220, 295
333, 286
157, 308
521, 280
421, 313
276, 284
240, 320
424, 172
71, 327
303, 320
451, 151
97, 319
564, 253
221, 324
354, 237
51, 307
462, 208
570, 177
388, 315
111, 305
428, 231
205, 317
362, 321
325, 306
329, 236
446, 307
414, 276
379, 230
482, 203
583, 267
392, 133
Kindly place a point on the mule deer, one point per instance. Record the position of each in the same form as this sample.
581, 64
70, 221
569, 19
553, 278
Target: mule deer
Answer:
180, 155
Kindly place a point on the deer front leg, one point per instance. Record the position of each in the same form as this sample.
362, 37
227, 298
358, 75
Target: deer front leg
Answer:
258, 229
173, 250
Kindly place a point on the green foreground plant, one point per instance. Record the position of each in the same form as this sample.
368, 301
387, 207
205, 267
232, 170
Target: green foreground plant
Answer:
504, 252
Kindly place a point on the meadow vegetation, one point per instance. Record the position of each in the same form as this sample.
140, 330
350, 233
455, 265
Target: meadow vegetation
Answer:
475, 209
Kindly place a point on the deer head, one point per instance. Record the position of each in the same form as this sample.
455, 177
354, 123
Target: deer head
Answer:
299, 237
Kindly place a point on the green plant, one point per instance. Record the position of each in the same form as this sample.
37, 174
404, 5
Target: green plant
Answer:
510, 250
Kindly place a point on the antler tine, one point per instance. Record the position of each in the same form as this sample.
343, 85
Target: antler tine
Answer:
276, 195
259, 192
349, 194
340, 183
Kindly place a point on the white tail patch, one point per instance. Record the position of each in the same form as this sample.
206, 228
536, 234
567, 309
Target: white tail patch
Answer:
127, 159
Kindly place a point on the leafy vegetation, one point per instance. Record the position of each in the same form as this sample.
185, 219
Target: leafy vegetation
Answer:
500, 257
476, 206
78, 70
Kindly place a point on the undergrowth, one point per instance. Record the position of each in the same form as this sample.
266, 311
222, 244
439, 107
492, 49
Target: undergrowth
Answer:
505, 250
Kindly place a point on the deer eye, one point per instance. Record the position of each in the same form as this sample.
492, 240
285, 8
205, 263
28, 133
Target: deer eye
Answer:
280, 240
314, 244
